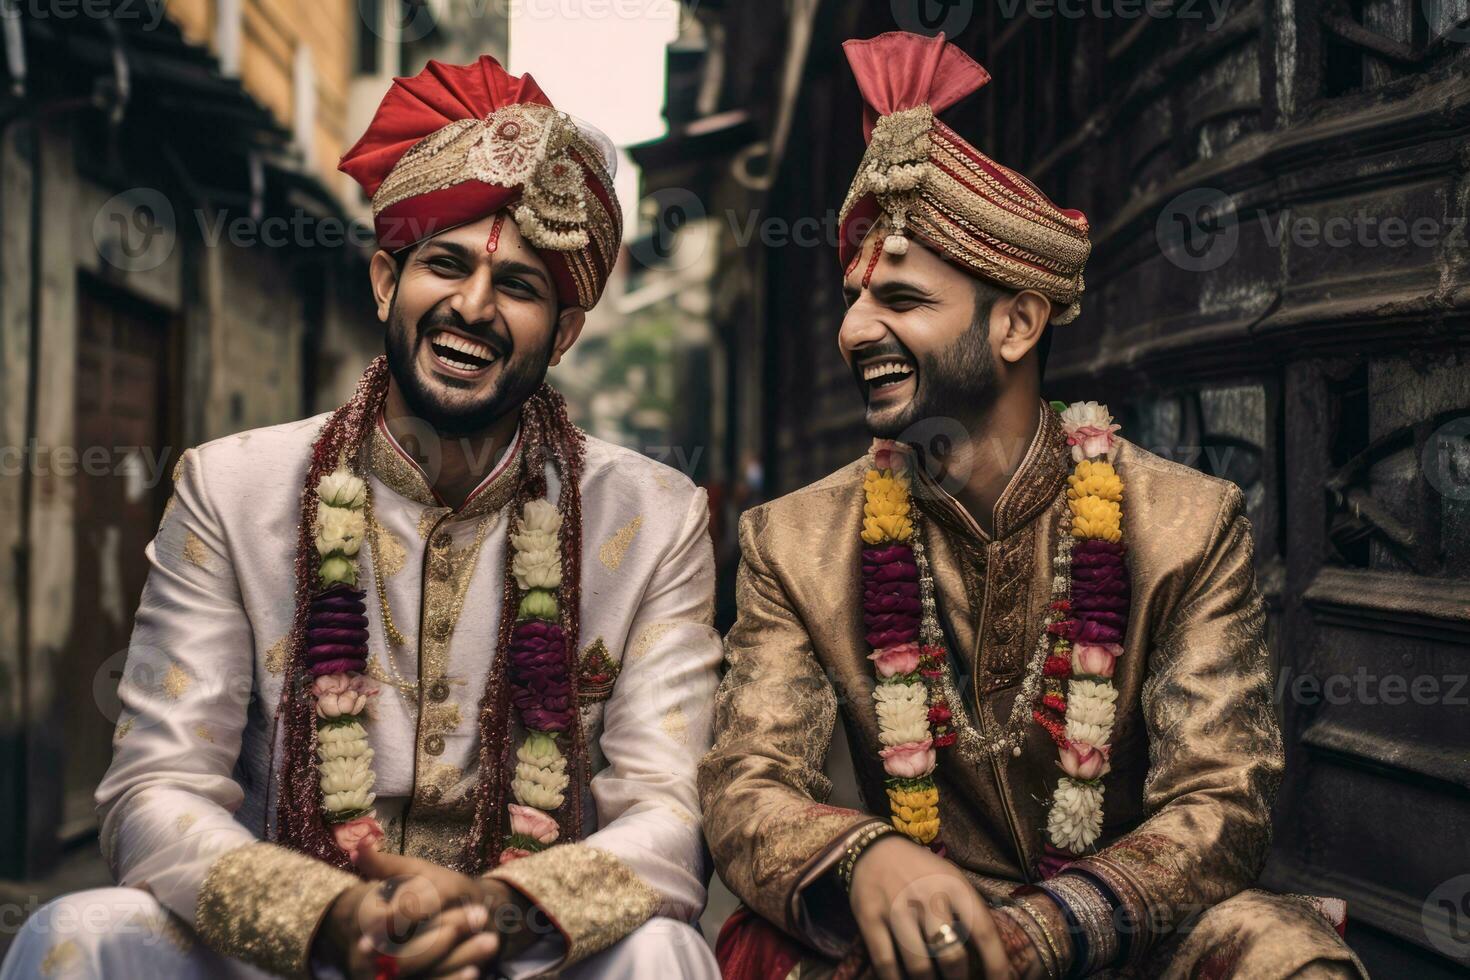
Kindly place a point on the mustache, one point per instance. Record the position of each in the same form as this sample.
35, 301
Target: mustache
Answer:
483, 331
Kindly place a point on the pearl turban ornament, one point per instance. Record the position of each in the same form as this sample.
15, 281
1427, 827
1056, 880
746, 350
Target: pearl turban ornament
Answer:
456, 143
928, 182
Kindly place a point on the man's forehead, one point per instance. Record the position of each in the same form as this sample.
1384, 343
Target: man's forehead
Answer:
875, 267
478, 236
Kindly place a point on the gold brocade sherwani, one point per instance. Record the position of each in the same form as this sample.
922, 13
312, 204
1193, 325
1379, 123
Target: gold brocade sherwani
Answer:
1196, 755
190, 789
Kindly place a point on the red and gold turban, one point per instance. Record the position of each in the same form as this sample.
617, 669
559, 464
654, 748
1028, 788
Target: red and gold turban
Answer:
458, 142
927, 181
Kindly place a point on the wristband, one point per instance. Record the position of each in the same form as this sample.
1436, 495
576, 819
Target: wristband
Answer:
856, 848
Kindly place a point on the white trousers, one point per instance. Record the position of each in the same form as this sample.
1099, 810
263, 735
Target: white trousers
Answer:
123, 933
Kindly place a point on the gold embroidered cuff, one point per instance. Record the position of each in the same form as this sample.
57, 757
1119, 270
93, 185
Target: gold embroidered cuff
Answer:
593, 898
261, 903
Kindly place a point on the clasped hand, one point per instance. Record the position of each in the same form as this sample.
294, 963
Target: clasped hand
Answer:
432, 921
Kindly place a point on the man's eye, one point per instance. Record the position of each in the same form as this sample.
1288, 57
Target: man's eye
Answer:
445, 265
517, 285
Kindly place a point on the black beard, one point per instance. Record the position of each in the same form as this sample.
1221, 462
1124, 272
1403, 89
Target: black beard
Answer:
959, 382
519, 377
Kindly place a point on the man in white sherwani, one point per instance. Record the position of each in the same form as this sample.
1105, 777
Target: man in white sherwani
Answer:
495, 628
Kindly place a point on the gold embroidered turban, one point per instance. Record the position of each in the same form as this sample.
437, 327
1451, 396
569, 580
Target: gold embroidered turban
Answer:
458, 142
930, 183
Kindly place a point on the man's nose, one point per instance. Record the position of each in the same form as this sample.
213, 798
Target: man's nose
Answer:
862, 326
474, 301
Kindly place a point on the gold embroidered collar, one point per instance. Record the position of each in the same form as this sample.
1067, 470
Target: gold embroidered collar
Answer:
1041, 475
402, 474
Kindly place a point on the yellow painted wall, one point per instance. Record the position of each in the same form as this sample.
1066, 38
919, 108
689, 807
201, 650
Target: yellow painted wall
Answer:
272, 30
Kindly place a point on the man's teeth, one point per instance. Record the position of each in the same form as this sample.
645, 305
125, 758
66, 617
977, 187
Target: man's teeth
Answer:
445, 342
874, 371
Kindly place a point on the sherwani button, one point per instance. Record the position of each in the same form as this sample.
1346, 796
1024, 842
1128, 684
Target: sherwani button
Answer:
431, 793
443, 540
439, 691
434, 745
441, 628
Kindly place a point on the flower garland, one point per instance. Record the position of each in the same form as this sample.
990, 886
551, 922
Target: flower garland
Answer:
1080, 640
325, 779
336, 656
905, 697
541, 685
1088, 641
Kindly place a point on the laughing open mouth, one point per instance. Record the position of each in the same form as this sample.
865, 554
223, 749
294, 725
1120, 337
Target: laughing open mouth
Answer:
886, 373
460, 352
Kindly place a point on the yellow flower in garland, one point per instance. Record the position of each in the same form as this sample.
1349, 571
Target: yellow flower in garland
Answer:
886, 508
1095, 479
1093, 517
916, 811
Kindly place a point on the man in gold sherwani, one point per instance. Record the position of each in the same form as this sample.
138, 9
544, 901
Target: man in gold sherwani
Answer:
1091, 786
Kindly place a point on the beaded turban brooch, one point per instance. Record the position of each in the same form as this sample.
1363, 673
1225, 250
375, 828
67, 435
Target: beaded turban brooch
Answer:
922, 179
456, 143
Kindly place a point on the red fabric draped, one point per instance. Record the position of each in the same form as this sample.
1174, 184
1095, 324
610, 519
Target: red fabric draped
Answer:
435, 97
897, 70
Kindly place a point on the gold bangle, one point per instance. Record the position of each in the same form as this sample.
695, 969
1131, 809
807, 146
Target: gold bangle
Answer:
856, 848
1094, 914
1024, 904
1027, 923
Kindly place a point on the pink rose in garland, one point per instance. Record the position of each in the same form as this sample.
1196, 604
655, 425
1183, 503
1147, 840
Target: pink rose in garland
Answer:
1095, 659
354, 836
530, 822
1083, 761
910, 760
342, 694
889, 454
1089, 430
896, 660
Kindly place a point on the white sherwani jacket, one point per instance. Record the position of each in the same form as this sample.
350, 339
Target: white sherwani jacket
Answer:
186, 802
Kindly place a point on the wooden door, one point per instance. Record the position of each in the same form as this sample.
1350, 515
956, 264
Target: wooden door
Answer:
125, 380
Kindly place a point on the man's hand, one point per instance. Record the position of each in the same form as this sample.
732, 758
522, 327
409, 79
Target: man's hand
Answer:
902, 894
434, 922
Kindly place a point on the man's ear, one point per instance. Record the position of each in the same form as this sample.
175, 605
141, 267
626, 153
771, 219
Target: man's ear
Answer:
569, 324
383, 274
1026, 316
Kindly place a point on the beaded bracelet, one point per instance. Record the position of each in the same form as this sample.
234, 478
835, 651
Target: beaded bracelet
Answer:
856, 848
